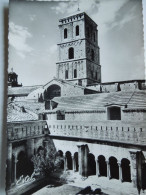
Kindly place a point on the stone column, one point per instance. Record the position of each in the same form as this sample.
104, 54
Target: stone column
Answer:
134, 168
46, 146
83, 160
108, 169
15, 167
9, 165
73, 163
97, 168
120, 171
86, 150
65, 163
80, 159
30, 148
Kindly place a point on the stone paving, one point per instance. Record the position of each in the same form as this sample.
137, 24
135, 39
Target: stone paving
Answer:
76, 183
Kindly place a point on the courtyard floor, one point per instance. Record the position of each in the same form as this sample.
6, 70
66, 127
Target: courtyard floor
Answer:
75, 183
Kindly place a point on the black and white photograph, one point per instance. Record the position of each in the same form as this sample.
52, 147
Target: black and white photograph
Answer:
76, 98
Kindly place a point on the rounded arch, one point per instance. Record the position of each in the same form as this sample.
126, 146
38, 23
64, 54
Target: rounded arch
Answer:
126, 173
114, 168
102, 166
69, 160
76, 161
71, 53
91, 164
52, 91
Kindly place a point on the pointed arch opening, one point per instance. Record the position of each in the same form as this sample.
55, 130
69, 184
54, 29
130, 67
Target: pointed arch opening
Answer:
69, 160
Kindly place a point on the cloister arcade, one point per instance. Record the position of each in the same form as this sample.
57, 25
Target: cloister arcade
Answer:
100, 166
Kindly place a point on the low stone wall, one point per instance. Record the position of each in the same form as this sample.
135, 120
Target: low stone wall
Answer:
118, 131
25, 130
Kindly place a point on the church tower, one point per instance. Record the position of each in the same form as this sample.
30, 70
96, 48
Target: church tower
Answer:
78, 51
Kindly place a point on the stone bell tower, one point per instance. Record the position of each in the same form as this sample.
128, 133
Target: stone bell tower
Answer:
78, 51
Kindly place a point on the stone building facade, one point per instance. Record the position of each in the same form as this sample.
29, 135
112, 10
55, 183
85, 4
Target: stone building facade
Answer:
98, 128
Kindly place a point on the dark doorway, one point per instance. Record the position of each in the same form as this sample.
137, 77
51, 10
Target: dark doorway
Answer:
76, 161
102, 166
114, 113
126, 174
91, 164
114, 168
69, 160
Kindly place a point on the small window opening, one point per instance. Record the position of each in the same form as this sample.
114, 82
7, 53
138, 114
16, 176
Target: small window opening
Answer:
77, 30
65, 33
75, 73
71, 53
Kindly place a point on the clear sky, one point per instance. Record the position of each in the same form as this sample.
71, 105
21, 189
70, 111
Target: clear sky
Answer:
33, 35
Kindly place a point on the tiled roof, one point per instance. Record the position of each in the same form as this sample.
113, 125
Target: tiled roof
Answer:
35, 107
24, 90
14, 114
133, 100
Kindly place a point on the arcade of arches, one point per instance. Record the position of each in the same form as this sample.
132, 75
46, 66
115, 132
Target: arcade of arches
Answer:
87, 165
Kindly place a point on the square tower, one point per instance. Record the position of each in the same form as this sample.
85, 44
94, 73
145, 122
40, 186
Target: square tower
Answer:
78, 51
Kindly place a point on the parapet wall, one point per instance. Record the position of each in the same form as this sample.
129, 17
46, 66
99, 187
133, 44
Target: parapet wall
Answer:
130, 132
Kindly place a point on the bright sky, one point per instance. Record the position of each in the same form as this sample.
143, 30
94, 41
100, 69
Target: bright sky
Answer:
33, 37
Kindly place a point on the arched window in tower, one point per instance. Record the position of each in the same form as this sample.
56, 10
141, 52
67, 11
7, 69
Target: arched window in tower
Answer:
65, 33
92, 54
66, 74
77, 30
71, 53
75, 73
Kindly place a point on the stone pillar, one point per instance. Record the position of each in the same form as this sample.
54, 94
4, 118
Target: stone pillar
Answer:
15, 167
120, 171
80, 159
30, 148
108, 169
73, 164
65, 163
46, 146
9, 165
134, 168
97, 168
83, 160
86, 151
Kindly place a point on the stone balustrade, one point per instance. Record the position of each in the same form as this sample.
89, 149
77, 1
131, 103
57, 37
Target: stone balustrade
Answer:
24, 130
118, 131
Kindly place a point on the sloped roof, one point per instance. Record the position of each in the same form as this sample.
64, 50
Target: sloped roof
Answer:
24, 90
35, 107
14, 115
133, 100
